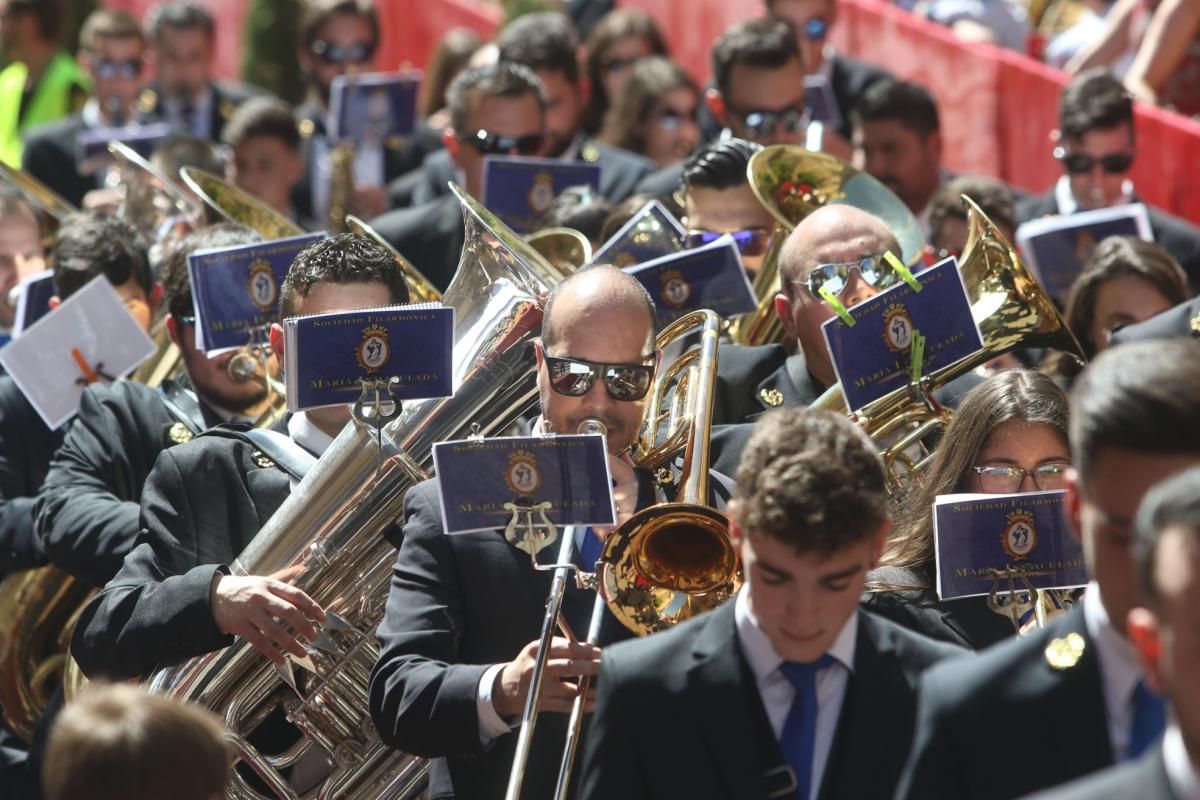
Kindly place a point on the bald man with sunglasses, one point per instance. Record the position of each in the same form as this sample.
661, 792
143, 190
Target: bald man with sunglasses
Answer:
457, 642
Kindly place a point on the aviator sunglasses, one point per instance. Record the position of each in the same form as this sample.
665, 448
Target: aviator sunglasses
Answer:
761, 124
1077, 163
336, 54
493, 144
575, 377
836, 277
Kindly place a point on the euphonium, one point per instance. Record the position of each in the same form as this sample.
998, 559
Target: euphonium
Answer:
151, 201
326, 537
229, 203
566, 248
791, 183
420, 288
1012, 311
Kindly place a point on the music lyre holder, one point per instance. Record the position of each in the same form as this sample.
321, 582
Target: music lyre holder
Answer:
1014, 608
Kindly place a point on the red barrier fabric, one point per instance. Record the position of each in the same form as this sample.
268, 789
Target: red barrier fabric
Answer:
411, 28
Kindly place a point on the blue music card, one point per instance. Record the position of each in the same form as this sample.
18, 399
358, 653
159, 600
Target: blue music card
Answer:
821, 101
91, 145
651, 233
711, 276
375, 107
1057, 247
236, 289
872, 357
328, 356
564, 478
520, 190
33, 300
1004, 542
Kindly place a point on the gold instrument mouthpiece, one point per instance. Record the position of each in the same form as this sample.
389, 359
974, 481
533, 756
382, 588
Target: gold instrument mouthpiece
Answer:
591, 425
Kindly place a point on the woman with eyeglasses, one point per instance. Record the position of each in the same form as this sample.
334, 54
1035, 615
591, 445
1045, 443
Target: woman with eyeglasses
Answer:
1124, 280
1008, 436
655, 114
617, 42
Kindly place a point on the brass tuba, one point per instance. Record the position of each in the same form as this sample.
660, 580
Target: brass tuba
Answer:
420, 288
566, 248
792, 183
327, 537
1012, 311
228, 203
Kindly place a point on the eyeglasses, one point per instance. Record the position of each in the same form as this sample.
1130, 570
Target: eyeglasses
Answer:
672, 118
107, 69
575, 377
614, 65
761, 124
816, 29
339, 54
1078, 163
750, 241
1008, 480
874, 270
493, 144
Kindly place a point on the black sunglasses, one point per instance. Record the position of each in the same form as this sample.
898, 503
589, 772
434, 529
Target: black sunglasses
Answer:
761, 124
493, 144
106, 69
357, 53
1077, 163
575, 377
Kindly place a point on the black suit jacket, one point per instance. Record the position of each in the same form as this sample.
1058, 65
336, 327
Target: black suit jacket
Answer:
1144, 779
50, 157
751, 379
430, 236
458, 604
620, 172
202, 504
1177, 236
1176, 321
1009, 696
662, 182
226, 98
850, 78
87, 512
26, 445
694, 678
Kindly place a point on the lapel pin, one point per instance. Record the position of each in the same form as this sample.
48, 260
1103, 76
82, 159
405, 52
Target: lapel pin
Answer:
1065, 653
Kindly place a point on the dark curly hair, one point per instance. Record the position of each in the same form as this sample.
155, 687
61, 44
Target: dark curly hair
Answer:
342, 259
812, 480
88, 245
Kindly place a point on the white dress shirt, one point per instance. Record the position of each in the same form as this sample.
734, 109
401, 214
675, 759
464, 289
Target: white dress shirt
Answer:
201, 115
1119, 670
307, 435
777, 692
1064, 198
1182, 776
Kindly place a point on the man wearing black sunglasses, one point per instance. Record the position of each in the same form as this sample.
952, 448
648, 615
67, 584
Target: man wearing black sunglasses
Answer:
1095, 144
458, 640
112, 51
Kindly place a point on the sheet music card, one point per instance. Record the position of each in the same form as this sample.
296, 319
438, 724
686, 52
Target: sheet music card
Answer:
91, 145
477, 477
980, 536
91, 335
651, 233
710, 276
520, 190
872, 357
33, 300
236, 289
373, 108
327, 356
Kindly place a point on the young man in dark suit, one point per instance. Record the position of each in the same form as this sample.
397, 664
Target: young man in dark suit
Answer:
1077, 681
204, 500
789, 689
547, 44
457, 642
88, 506
1162, 629
1096, 146
494, 110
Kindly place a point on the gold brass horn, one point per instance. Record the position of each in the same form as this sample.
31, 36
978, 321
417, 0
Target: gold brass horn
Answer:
230, 203
565, 248
791, 183
420, 288
1012, 311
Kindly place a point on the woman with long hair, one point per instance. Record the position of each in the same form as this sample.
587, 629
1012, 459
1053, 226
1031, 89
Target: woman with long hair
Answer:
619, 40
655, 115
1008, 435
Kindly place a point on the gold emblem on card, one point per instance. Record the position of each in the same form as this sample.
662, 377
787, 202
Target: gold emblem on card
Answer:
261, 459
375, 349
1065, 653
1020, 536
541, 193
675, 288
590, 153
772, 397
147, 101
261, 286
897, 328
522, 474
179, 433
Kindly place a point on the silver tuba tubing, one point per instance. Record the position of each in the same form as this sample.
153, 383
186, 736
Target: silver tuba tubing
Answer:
326, 539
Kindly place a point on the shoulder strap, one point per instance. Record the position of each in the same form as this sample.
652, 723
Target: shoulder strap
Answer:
287, 455
183, 406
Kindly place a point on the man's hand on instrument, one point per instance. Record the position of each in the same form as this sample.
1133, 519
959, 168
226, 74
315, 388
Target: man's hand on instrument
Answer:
274, 617
565, 660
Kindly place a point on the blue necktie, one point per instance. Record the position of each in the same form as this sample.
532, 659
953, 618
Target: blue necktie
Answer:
1149, 720
589, 553
799, 735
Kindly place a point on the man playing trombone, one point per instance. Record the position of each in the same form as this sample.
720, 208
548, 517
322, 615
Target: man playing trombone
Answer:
459, 638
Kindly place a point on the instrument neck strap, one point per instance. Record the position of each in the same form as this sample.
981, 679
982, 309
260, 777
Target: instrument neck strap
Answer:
183, 405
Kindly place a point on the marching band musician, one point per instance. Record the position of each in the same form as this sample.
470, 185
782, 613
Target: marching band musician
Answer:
20, 252
204, 500
460, 633
87, 510
1072, 694
267, 159
789, 689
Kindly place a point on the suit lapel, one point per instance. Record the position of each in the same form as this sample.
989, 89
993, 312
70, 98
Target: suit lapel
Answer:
779, 390
1075, 691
